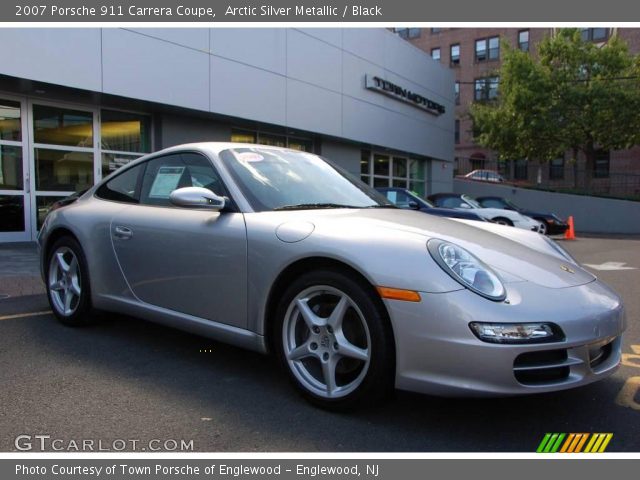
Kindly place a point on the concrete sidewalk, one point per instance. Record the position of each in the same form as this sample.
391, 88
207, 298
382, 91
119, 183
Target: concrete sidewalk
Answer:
19, 270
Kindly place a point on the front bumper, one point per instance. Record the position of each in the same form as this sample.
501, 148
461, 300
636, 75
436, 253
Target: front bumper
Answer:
557, 228
436, 352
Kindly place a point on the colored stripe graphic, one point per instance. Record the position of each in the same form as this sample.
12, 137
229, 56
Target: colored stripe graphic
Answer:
581, 443
574, 442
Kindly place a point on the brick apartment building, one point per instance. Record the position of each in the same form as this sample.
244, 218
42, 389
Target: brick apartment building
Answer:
474, 54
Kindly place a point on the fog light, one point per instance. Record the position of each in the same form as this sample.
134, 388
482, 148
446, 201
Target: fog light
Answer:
517, 332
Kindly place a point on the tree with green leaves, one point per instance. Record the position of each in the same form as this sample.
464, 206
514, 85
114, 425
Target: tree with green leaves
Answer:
574, 96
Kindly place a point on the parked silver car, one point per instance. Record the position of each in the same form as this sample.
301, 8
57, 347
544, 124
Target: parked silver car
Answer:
278, 250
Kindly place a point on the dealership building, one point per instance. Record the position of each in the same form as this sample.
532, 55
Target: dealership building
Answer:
77, 103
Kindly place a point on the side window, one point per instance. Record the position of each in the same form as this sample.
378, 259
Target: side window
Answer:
124, 187
168, 173
451, 202
403, 200
492, 204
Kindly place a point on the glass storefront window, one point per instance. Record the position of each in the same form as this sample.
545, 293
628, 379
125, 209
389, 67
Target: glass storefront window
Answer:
113, 161
12, 213
300, 144
11, 168
59, 126
380, 182
10, 126
417, 187
63, 171
295, 143
125, 132
239, 136
399, 167
272, 140
381, 165
399, 172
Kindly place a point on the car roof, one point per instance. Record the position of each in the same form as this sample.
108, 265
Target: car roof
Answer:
217, 147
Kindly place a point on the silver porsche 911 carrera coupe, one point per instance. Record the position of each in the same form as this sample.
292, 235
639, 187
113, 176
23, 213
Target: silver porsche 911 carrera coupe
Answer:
277, 250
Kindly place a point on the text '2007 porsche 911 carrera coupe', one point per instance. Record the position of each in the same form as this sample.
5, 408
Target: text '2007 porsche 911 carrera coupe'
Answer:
281, 251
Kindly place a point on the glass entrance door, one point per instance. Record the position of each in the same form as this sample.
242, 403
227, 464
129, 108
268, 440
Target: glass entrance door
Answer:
64, 150
15, 198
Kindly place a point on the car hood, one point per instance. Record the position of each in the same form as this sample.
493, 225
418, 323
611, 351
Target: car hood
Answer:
516, 258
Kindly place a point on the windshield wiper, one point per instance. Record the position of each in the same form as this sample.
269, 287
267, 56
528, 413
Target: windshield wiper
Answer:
381, 206
310, 206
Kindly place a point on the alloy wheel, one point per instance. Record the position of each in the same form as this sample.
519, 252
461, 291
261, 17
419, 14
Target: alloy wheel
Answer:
326, 340
65, 284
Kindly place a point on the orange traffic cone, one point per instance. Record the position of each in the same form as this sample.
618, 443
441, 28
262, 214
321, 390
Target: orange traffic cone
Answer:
570, 233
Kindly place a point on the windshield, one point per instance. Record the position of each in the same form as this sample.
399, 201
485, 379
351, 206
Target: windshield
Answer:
511, 204
284, 179
471, 201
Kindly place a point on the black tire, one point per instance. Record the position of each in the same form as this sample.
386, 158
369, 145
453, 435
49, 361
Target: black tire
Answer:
377, 374
503, 221
81, 312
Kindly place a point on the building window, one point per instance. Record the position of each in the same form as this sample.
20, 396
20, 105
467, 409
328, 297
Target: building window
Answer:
456, 91
435, 53
455, 55
523, 40
486, 88
487, 49
601, 164
494, 48
273, 140
594, 34
556, 169
124, 137
457, 132
382, 170
521, 170
408, 33
436, 30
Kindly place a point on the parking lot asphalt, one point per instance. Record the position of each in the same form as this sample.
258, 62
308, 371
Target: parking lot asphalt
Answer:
132, 380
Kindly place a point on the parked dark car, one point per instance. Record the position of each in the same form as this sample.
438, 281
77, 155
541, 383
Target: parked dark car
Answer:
551, 223
403, 198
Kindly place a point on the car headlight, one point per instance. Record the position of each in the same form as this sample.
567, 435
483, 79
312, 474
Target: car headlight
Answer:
466, 269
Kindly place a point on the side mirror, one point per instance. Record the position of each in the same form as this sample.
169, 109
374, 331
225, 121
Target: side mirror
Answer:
466, 206
196, 197
414, 205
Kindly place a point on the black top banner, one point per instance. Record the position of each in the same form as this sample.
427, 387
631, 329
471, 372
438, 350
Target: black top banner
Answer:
386, 11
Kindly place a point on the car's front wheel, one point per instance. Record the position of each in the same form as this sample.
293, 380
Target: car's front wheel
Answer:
68, 282
544, 228
334, 339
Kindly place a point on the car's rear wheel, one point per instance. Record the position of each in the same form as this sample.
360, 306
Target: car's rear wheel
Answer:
503, 221
68, 283
333, 338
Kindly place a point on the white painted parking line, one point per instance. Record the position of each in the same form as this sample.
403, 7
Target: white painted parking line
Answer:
610, 266
24, 315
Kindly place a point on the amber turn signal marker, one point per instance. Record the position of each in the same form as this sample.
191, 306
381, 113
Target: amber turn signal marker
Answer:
398, 294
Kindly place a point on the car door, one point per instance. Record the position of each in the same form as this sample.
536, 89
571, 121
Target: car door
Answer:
191, 261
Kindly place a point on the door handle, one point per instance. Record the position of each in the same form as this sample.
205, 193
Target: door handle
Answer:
122, 233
